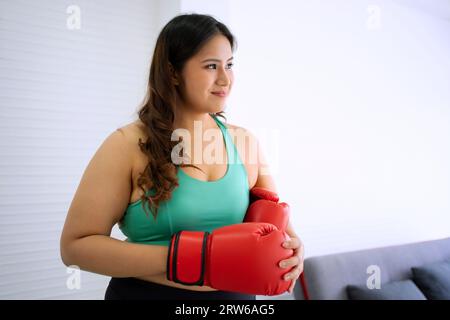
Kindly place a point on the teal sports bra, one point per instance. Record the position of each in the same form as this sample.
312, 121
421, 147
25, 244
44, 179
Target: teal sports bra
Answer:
195, 205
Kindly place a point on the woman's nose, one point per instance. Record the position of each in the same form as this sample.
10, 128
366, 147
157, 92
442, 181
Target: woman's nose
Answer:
223, 79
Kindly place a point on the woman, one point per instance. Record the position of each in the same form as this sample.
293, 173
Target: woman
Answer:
136, 172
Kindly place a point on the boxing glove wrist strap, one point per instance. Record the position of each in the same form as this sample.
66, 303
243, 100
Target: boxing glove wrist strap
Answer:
186, 258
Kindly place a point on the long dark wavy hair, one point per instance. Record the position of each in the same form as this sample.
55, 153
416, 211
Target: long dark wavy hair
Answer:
179, 40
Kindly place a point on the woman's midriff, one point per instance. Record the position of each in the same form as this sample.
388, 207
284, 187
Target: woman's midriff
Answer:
161, 279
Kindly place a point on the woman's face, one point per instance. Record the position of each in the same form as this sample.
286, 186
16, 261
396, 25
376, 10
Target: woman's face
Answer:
208, 71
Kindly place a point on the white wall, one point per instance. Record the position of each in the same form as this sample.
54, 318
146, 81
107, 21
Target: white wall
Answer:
62, 91
361, 111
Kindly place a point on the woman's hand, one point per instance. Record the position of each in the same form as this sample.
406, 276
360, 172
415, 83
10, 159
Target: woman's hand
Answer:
295, 261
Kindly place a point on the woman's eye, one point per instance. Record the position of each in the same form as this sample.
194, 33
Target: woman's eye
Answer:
208, 66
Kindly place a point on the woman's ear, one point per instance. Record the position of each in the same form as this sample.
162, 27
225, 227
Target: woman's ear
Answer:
173, 75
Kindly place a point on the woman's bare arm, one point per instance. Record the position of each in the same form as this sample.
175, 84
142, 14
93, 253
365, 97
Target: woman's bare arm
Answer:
99, 203
265, 179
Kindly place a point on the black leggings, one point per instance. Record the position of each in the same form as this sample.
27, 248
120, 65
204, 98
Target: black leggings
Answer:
137, 289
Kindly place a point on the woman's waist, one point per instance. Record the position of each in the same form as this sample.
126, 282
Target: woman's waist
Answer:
161, 279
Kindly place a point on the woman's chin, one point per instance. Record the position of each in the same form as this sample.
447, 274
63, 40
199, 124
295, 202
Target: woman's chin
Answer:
217, 109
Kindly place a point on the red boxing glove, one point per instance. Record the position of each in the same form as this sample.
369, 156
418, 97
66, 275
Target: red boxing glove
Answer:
239, 258
257, 193
264, 207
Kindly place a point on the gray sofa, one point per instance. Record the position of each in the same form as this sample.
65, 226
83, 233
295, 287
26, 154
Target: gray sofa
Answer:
327, 277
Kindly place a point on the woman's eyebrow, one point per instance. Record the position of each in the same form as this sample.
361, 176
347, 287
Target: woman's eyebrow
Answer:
218, 60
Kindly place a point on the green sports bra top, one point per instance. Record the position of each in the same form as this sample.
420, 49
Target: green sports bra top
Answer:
195, 205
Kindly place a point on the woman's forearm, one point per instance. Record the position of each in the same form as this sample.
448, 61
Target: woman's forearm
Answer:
112, 257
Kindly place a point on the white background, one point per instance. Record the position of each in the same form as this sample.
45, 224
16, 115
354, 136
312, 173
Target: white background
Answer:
350, 99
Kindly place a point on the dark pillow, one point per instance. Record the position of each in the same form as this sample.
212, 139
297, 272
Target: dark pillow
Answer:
434, 280
397, 290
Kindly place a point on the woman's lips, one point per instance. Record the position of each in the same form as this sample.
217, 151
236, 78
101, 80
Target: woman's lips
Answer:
220, 94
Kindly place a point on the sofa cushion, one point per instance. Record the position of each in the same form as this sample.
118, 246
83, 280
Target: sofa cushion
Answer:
433, 280
326, 277
397, 290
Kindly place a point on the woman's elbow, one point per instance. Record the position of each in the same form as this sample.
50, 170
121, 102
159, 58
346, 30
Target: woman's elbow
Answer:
65, 251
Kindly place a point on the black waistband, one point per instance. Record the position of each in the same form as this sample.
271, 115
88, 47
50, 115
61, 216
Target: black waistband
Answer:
137, 289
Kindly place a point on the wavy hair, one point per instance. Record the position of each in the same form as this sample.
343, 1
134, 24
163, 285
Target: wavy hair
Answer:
179, 40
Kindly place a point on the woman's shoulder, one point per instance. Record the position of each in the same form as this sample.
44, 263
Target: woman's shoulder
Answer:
247, 145
240, 132
132, 131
